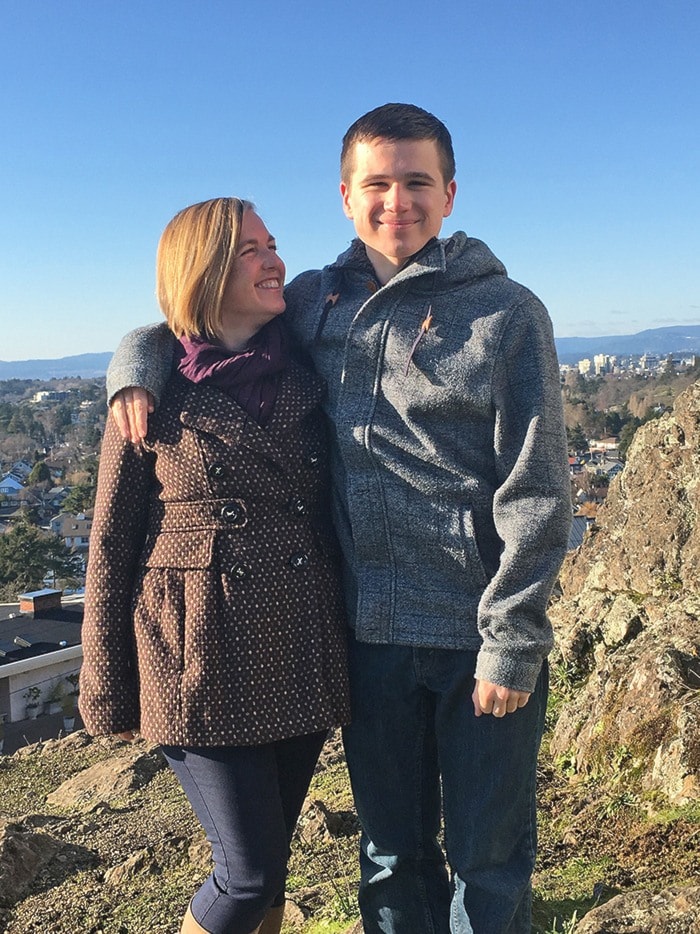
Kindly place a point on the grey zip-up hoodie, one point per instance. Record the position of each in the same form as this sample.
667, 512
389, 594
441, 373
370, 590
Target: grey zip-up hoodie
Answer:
452, 493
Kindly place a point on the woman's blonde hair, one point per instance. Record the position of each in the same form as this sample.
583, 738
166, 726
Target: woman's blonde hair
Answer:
193, 265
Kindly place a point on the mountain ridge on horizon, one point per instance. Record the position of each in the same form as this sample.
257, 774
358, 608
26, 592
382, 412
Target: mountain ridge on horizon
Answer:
666, 340
678, 338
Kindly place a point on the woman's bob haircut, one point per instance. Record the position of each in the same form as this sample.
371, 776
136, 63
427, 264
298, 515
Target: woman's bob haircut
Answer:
195, 254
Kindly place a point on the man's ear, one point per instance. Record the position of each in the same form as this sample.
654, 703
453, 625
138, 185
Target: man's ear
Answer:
345, 195
450, 198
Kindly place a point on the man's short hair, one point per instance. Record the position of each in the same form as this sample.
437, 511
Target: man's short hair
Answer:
395, 122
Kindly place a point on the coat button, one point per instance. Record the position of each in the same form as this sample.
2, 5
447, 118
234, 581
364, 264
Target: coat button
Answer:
240, 571
216, 470
297, 506
299, 559
232, 512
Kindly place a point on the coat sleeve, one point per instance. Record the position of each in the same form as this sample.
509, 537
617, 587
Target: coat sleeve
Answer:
532, 504
143, 358
109, 684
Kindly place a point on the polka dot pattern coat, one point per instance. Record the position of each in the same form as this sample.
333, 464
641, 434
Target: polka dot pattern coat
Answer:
213, 609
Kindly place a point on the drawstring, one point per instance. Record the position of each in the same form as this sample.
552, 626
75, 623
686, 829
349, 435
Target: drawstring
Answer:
424, 327
331, 299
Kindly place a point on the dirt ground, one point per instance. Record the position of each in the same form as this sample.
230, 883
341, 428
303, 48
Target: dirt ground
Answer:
131, 866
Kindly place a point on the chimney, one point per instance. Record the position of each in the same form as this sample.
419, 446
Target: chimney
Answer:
40, 603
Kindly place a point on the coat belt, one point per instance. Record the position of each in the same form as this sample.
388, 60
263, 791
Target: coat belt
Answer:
224, 513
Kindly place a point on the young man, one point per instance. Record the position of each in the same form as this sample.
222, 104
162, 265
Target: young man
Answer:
452, 505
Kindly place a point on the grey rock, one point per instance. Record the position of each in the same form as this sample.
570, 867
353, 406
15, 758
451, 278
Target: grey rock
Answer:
23, 854
628, 620
102, 783
137, 864
675, 911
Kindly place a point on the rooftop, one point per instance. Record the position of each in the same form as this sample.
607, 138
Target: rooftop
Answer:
22, 635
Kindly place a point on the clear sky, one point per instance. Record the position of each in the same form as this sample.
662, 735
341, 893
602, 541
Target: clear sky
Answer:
576, 128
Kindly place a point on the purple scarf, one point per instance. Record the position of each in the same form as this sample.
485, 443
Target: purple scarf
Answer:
251, 377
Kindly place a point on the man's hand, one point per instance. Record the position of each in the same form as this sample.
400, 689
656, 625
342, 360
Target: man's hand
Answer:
497, 700
130, 409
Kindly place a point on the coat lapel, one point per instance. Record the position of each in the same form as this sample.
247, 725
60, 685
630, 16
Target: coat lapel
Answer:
207, 409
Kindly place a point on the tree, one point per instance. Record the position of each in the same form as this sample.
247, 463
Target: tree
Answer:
80, 499
577, 439
59, 419
40, 473
27, 555
613, 423
668, 373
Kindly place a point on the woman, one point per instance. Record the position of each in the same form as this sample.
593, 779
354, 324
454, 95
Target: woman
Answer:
213, 613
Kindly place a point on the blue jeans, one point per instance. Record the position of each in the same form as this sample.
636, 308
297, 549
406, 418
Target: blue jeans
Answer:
248, 799
415, 748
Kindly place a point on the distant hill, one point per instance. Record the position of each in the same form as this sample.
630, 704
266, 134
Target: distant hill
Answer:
86, 365
661, 341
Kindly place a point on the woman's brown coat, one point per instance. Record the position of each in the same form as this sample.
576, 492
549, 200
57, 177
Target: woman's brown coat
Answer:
213, 612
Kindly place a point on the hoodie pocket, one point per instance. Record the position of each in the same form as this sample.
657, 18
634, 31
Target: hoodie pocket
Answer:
471, 548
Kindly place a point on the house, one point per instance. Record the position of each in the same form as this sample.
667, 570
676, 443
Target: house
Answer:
74, 530
55, 496
579, 526
49, 395
10, 485
57, 469
604, 445
40, 645
21, 469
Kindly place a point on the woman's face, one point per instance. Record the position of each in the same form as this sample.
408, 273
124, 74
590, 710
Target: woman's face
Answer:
254, 291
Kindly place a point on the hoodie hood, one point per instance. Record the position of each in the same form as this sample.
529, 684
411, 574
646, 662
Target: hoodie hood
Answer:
459, 259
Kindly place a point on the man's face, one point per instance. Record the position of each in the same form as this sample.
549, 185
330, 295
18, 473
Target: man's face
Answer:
396, 197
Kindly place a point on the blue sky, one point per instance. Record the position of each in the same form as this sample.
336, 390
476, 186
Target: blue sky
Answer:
576, 129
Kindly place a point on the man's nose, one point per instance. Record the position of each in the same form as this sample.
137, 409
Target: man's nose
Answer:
395, 198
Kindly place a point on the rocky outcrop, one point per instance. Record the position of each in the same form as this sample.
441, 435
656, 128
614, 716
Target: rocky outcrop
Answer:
675, 911
628, 621
106, 781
